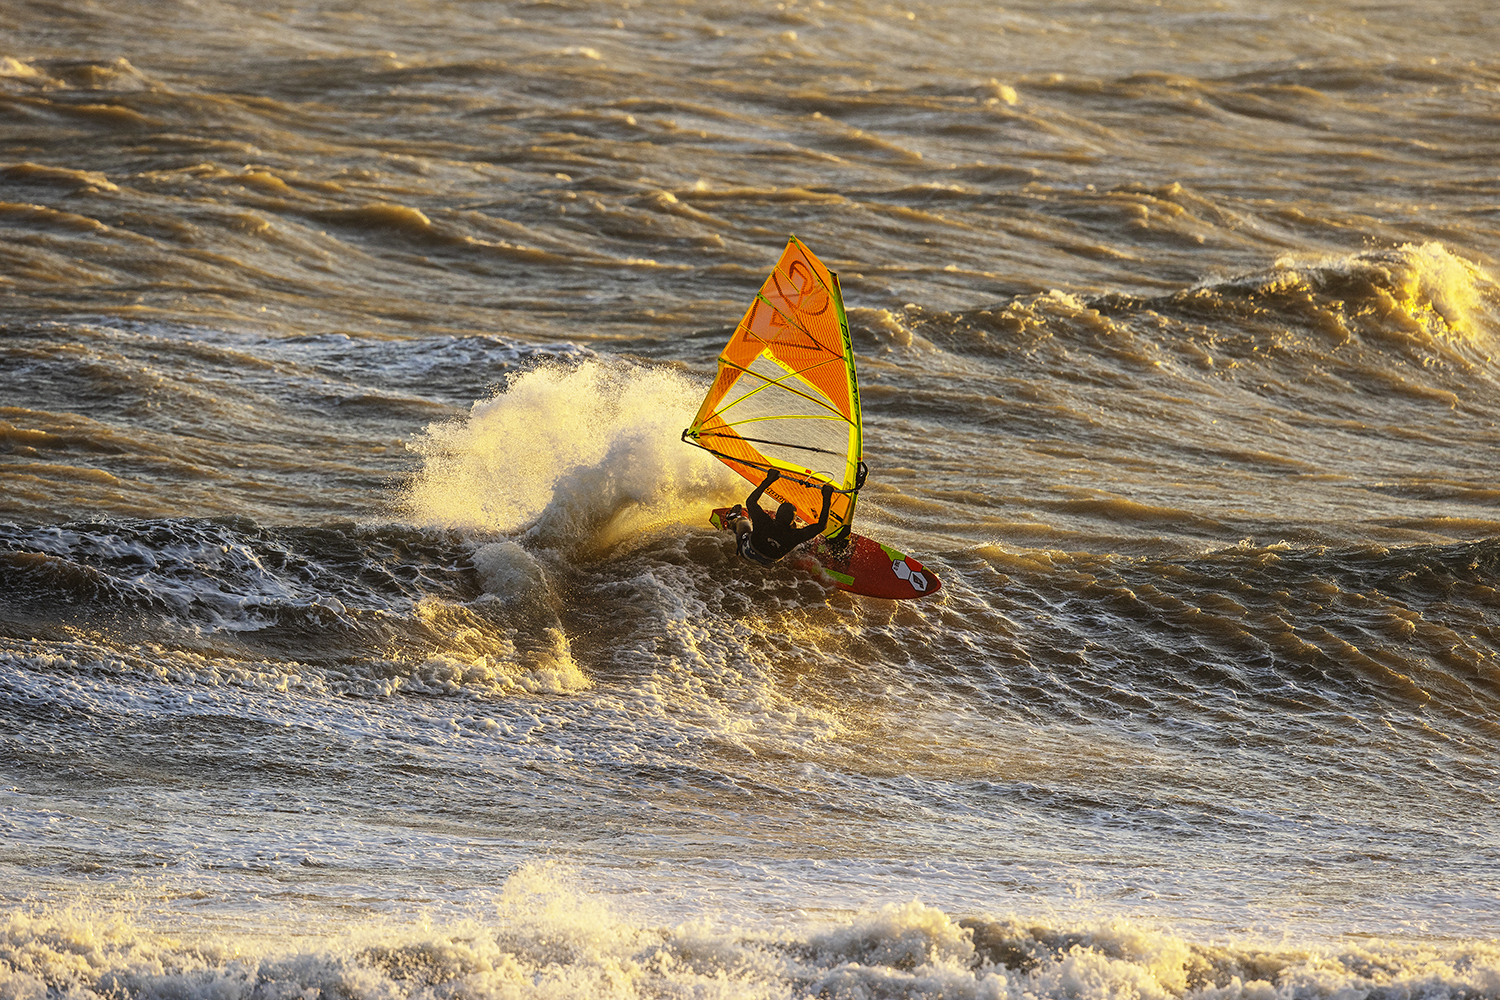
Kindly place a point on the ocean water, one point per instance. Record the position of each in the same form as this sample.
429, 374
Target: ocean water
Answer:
362, 635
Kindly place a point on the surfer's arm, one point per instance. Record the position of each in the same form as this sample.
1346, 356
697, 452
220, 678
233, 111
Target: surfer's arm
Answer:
759, 519
753, 500
827, 506
814, 530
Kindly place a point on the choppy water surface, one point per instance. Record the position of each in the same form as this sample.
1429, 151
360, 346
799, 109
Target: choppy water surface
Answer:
361, 630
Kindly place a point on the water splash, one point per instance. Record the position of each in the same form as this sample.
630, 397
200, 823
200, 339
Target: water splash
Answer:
570, 457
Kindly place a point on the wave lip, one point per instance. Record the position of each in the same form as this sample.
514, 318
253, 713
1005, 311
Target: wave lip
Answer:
1421, 296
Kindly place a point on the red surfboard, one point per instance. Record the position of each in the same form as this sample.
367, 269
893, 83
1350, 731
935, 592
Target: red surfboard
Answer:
861, 565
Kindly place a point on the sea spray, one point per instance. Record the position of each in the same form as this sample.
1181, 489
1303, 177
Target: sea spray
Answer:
569, 456
567, 460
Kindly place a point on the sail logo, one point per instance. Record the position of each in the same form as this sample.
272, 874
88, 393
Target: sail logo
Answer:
917, 580
806, 293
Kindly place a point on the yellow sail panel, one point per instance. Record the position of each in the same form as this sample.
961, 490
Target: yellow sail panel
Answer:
786, 395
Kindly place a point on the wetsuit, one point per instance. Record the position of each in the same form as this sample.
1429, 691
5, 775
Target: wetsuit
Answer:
767, 542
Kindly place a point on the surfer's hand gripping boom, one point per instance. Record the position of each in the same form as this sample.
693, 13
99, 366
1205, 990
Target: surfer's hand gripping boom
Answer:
818, 484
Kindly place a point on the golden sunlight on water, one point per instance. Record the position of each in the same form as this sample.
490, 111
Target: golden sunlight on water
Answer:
361, 626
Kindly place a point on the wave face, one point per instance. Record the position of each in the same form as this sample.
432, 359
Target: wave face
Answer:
362, 633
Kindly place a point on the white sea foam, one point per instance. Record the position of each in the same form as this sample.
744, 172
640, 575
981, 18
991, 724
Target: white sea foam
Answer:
546, 934
575, 457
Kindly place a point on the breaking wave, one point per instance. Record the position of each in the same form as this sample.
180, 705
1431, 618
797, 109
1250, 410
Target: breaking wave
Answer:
572, 457
544, 935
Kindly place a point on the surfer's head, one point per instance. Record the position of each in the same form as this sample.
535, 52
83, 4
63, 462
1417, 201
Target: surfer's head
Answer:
784, 514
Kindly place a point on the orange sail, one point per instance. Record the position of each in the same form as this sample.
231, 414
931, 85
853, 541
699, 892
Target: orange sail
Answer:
786, 395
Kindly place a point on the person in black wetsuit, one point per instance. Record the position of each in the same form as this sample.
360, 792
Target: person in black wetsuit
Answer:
764, 539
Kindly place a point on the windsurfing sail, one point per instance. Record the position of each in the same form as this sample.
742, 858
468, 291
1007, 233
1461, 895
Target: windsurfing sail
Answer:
786, 395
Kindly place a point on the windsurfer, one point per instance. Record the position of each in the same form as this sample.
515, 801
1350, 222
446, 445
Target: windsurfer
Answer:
765, 539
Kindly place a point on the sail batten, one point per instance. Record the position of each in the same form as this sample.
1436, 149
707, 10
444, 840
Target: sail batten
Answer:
786, 395
769, 383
